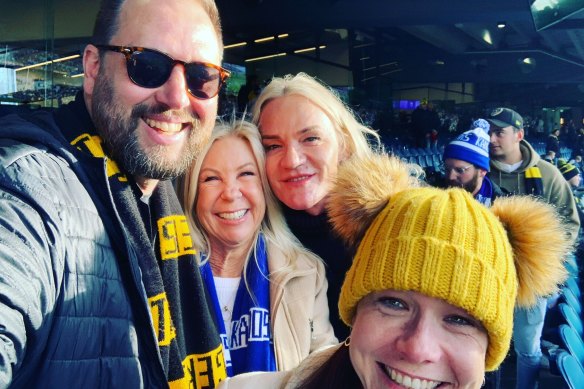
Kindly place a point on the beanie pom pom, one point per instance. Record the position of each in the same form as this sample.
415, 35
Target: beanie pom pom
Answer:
363, 187
539, 242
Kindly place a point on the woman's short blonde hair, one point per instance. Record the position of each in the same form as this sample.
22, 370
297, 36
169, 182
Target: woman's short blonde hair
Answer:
273, 226
354, 137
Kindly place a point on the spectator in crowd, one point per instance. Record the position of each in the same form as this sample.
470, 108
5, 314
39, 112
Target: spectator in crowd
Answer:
248, 93
570, 172
577, 161
98, 279
553, 141
252, 265
307, 132
432, 288
466, 163
579, 148
424, 120
518, 169
550, 156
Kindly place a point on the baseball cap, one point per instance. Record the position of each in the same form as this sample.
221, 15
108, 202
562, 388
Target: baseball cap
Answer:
505, 117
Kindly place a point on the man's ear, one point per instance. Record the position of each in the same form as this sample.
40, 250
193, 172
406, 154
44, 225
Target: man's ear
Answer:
91, 63
482, 172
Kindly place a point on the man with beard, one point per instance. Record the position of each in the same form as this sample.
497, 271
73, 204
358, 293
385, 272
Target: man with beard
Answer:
466, 163
518, 169
98, 281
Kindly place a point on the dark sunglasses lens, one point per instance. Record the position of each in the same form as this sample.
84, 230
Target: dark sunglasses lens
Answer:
149, 69
203, 81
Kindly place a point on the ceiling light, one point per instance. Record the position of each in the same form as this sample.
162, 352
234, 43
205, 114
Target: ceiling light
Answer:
501, 25
77, 75
266, 39
36, 65
265, 57
283, 36
304, 50
309, 49
235, 45
487, 37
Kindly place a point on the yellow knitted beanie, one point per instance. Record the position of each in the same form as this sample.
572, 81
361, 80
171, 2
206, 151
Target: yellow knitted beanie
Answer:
441, 243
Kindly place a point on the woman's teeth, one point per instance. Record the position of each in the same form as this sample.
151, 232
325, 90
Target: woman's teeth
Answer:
232, 215
409, 382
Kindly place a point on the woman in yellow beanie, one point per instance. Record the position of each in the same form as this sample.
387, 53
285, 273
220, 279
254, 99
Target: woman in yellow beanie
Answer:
433, 284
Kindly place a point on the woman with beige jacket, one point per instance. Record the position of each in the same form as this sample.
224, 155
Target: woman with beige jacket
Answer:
268, 292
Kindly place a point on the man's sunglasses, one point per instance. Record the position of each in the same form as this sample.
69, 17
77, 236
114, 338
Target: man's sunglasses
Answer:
150, 68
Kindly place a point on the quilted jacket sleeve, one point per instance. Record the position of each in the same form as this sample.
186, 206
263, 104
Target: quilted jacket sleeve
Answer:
30, 269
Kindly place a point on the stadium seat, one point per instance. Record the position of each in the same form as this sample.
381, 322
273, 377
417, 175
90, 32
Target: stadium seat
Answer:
571, 318
570, 370
572, 284
568, 297
572, 342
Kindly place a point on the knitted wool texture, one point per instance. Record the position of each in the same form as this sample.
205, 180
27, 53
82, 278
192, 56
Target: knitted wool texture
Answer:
439, 243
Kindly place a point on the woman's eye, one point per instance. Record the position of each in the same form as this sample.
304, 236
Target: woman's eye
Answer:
270, 147
312, 139
460, 320
210, 178
248, 173
392, 303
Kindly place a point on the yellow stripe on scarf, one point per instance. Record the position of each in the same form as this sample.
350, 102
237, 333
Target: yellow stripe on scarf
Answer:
533, 172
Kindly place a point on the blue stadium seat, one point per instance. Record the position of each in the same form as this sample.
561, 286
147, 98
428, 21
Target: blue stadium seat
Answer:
573, 343
570, 369
568, 297
571, 318
572, 284
429, 161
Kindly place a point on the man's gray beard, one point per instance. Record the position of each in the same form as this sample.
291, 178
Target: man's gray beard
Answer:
120, 138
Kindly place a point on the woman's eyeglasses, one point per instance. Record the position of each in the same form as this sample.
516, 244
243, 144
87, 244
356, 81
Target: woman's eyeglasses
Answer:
457, 170
150, 68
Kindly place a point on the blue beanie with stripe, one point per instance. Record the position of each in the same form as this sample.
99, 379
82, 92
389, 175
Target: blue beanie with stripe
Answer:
470, 146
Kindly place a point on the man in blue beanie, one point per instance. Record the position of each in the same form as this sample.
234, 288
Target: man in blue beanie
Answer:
466, 163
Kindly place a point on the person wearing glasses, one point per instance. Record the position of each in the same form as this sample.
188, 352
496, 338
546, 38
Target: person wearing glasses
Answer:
518, 169
99, 283
466, 163
268, 292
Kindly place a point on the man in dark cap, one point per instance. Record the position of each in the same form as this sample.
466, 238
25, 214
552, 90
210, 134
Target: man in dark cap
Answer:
518, 169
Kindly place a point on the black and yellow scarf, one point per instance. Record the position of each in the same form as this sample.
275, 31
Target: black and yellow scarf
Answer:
533, 181
188, 340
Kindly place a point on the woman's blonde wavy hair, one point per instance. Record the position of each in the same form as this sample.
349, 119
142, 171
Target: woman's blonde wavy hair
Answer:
273, 225
354, 137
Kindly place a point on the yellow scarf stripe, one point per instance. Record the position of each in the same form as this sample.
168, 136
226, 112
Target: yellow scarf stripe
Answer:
533, 172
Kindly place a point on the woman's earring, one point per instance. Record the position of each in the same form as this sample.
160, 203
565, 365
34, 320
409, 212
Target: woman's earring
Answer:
347, 341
